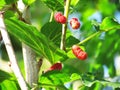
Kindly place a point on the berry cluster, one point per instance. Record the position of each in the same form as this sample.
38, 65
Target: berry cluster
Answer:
79, 53
59, 17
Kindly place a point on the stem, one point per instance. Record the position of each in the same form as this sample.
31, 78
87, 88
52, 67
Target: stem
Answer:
51, 17
90, 37
11, 54
30, 62
31, 66
64, 26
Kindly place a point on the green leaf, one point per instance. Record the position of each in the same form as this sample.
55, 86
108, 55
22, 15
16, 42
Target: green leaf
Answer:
4, 2
107, 8
55, 77
10, 1
4, 75
70, 40
109, 24
105, 83
96, 24
29, 35
62, 87
74, 2
59, 55
54, 4
28, 2
9, 14
70, 54
75, 76
9, 85
36, 40
89, 79
7, 1
52, 30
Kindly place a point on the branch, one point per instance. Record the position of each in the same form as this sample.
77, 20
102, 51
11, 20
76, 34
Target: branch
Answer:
51, 17
11, 54
90, 37
64, 26
31, 65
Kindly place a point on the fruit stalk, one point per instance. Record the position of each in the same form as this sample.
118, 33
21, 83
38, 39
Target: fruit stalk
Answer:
64, 26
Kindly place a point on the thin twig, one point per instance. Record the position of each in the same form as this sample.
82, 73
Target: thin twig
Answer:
64, 26
11, 54
90, 37
51, 17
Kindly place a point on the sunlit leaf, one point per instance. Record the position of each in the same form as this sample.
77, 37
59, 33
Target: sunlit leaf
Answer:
54, 4
6, 2
75, 76
29, 2
9, 85
55, 78
70, 54
109, 24
74, 2
2, 3
106, 7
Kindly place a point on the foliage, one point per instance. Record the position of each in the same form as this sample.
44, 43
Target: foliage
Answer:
109, 24
98, 36
36, 40
3, 76
8, 81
